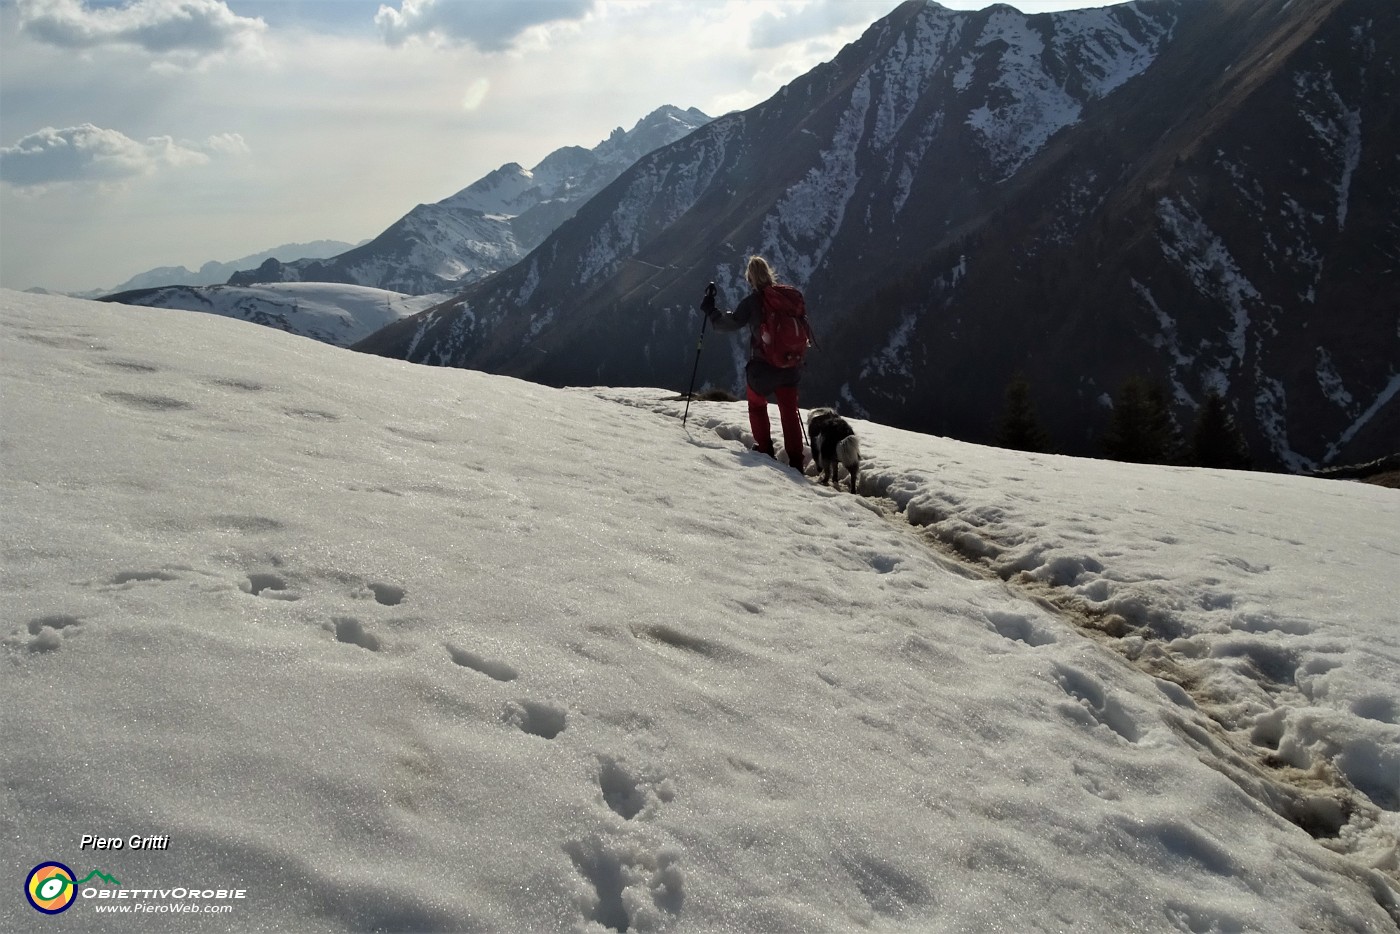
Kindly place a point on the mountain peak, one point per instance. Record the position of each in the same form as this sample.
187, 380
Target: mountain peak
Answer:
492, 222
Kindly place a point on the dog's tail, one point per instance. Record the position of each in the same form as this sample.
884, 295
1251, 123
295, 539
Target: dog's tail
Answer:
848, 453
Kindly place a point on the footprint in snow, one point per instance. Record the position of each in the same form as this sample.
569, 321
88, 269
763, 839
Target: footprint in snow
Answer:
383, 594
498, 671
1094, 706
352, 632
538, 719
129, 366
140, 577
267, 585
48, 632
147, 402
633, 886
629, 791
1019, 628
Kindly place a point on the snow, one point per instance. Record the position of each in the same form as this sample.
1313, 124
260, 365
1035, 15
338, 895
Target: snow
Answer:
913, 158
962, 78
1028, 102
406, 648
904, 74
801, 228
1115, 44
1330, 381
1204, 257
325, 311
1168, 338
660, 191
1034, 107
1383, 398
505, 192
1336, 127
894, 358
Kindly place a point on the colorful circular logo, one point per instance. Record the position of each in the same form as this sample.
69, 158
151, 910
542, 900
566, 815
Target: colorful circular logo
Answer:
50, 888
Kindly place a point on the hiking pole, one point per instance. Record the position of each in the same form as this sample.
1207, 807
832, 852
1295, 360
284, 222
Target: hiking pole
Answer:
695, 369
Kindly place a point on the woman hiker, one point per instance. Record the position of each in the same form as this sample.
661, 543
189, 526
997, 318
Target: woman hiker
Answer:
764, 378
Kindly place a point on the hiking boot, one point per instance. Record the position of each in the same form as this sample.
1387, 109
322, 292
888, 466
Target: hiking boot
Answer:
765, 450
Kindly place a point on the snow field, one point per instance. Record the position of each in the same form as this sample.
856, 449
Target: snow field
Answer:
408, 648
330, 312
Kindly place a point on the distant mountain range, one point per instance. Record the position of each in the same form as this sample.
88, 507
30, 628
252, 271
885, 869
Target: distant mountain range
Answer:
217, 273
490, 224
332, 313
1201, 192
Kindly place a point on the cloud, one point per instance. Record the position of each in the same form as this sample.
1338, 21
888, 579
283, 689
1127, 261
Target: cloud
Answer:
161, 27
230, 144
812, 20
490, 25
89, 153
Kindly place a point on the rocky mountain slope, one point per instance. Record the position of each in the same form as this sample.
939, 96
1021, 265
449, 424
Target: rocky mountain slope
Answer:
491, 223
1202, 192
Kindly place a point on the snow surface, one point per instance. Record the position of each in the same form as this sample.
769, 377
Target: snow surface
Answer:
404, 648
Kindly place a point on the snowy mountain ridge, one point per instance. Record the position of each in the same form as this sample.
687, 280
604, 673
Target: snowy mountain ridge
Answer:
491, 223
333, 313
1200, 193
216, 272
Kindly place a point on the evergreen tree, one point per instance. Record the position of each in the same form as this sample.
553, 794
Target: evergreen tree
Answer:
1141, 430
1018, 429
1161, 427
1216, 441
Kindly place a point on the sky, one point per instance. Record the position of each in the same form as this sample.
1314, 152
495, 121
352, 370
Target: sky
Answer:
407, 648
149, 133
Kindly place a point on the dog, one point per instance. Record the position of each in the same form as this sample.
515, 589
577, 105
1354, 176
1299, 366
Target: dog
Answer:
834, 442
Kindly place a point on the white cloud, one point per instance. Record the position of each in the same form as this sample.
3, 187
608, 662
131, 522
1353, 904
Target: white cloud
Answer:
227, 144
811, 20
161, 27
490, 25
88, 153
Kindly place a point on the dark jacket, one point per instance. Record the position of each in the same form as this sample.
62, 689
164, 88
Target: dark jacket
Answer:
763, 377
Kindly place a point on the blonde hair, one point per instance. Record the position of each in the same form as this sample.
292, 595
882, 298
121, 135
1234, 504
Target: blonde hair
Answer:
759, 273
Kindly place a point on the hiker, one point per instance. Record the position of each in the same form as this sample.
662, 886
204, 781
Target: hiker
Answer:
778, 338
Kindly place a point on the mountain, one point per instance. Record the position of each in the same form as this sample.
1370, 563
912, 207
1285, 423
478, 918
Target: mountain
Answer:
1199, 192
491, 223
328, 312
216, 273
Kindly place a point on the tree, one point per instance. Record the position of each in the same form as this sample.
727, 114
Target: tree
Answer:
1142, 430
1018, 428
1216, 441
1161, 427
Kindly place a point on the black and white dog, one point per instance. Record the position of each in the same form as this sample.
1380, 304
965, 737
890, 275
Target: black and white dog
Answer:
833, 442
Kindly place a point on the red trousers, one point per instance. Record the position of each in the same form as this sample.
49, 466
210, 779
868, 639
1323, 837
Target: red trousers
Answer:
787, 414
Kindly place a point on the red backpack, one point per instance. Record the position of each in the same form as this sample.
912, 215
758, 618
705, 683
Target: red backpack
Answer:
784, 334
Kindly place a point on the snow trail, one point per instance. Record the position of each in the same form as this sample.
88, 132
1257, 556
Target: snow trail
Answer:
1241, 703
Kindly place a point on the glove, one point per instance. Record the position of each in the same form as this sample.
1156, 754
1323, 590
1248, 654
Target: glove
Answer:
707, 304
